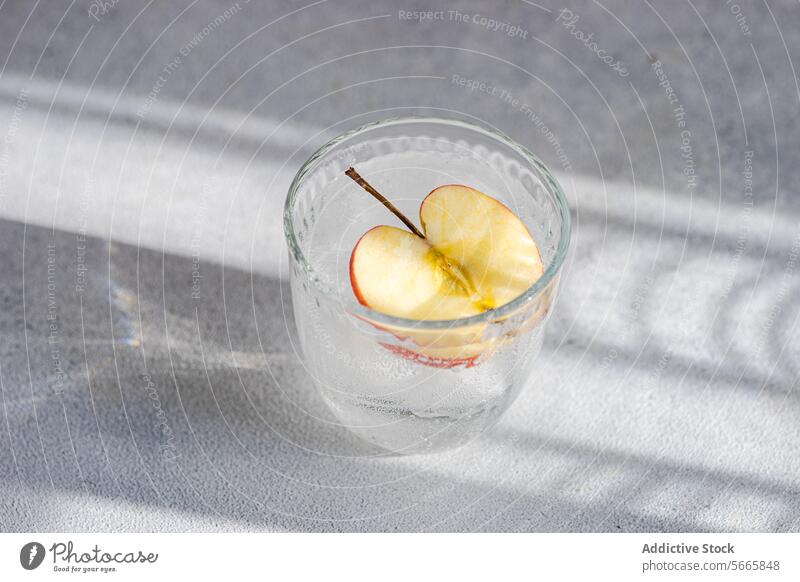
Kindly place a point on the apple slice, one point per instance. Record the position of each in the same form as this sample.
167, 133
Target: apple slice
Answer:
400, 274
473, 254
480, 234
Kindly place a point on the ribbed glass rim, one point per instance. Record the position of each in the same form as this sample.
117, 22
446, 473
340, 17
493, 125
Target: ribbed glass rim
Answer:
489, 315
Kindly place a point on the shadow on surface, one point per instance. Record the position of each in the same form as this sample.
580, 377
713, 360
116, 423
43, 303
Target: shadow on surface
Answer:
166, 400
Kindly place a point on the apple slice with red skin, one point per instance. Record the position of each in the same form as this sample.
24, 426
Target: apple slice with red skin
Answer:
476, 255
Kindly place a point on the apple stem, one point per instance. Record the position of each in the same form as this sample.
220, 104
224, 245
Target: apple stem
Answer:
351, 172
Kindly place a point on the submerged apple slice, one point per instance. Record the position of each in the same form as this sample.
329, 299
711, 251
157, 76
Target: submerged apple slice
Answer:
476, 255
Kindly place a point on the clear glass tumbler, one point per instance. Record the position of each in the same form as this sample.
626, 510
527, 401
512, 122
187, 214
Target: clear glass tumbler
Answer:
405, 385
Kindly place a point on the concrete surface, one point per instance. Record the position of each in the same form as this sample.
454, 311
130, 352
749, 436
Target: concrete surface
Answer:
667, 396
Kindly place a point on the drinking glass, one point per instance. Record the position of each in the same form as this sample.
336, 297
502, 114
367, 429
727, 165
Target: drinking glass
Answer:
407, 385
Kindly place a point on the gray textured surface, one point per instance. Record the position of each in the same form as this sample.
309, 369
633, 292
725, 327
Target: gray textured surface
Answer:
667, 395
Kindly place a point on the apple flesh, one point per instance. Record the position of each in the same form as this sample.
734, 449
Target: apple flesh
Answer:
476, 255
